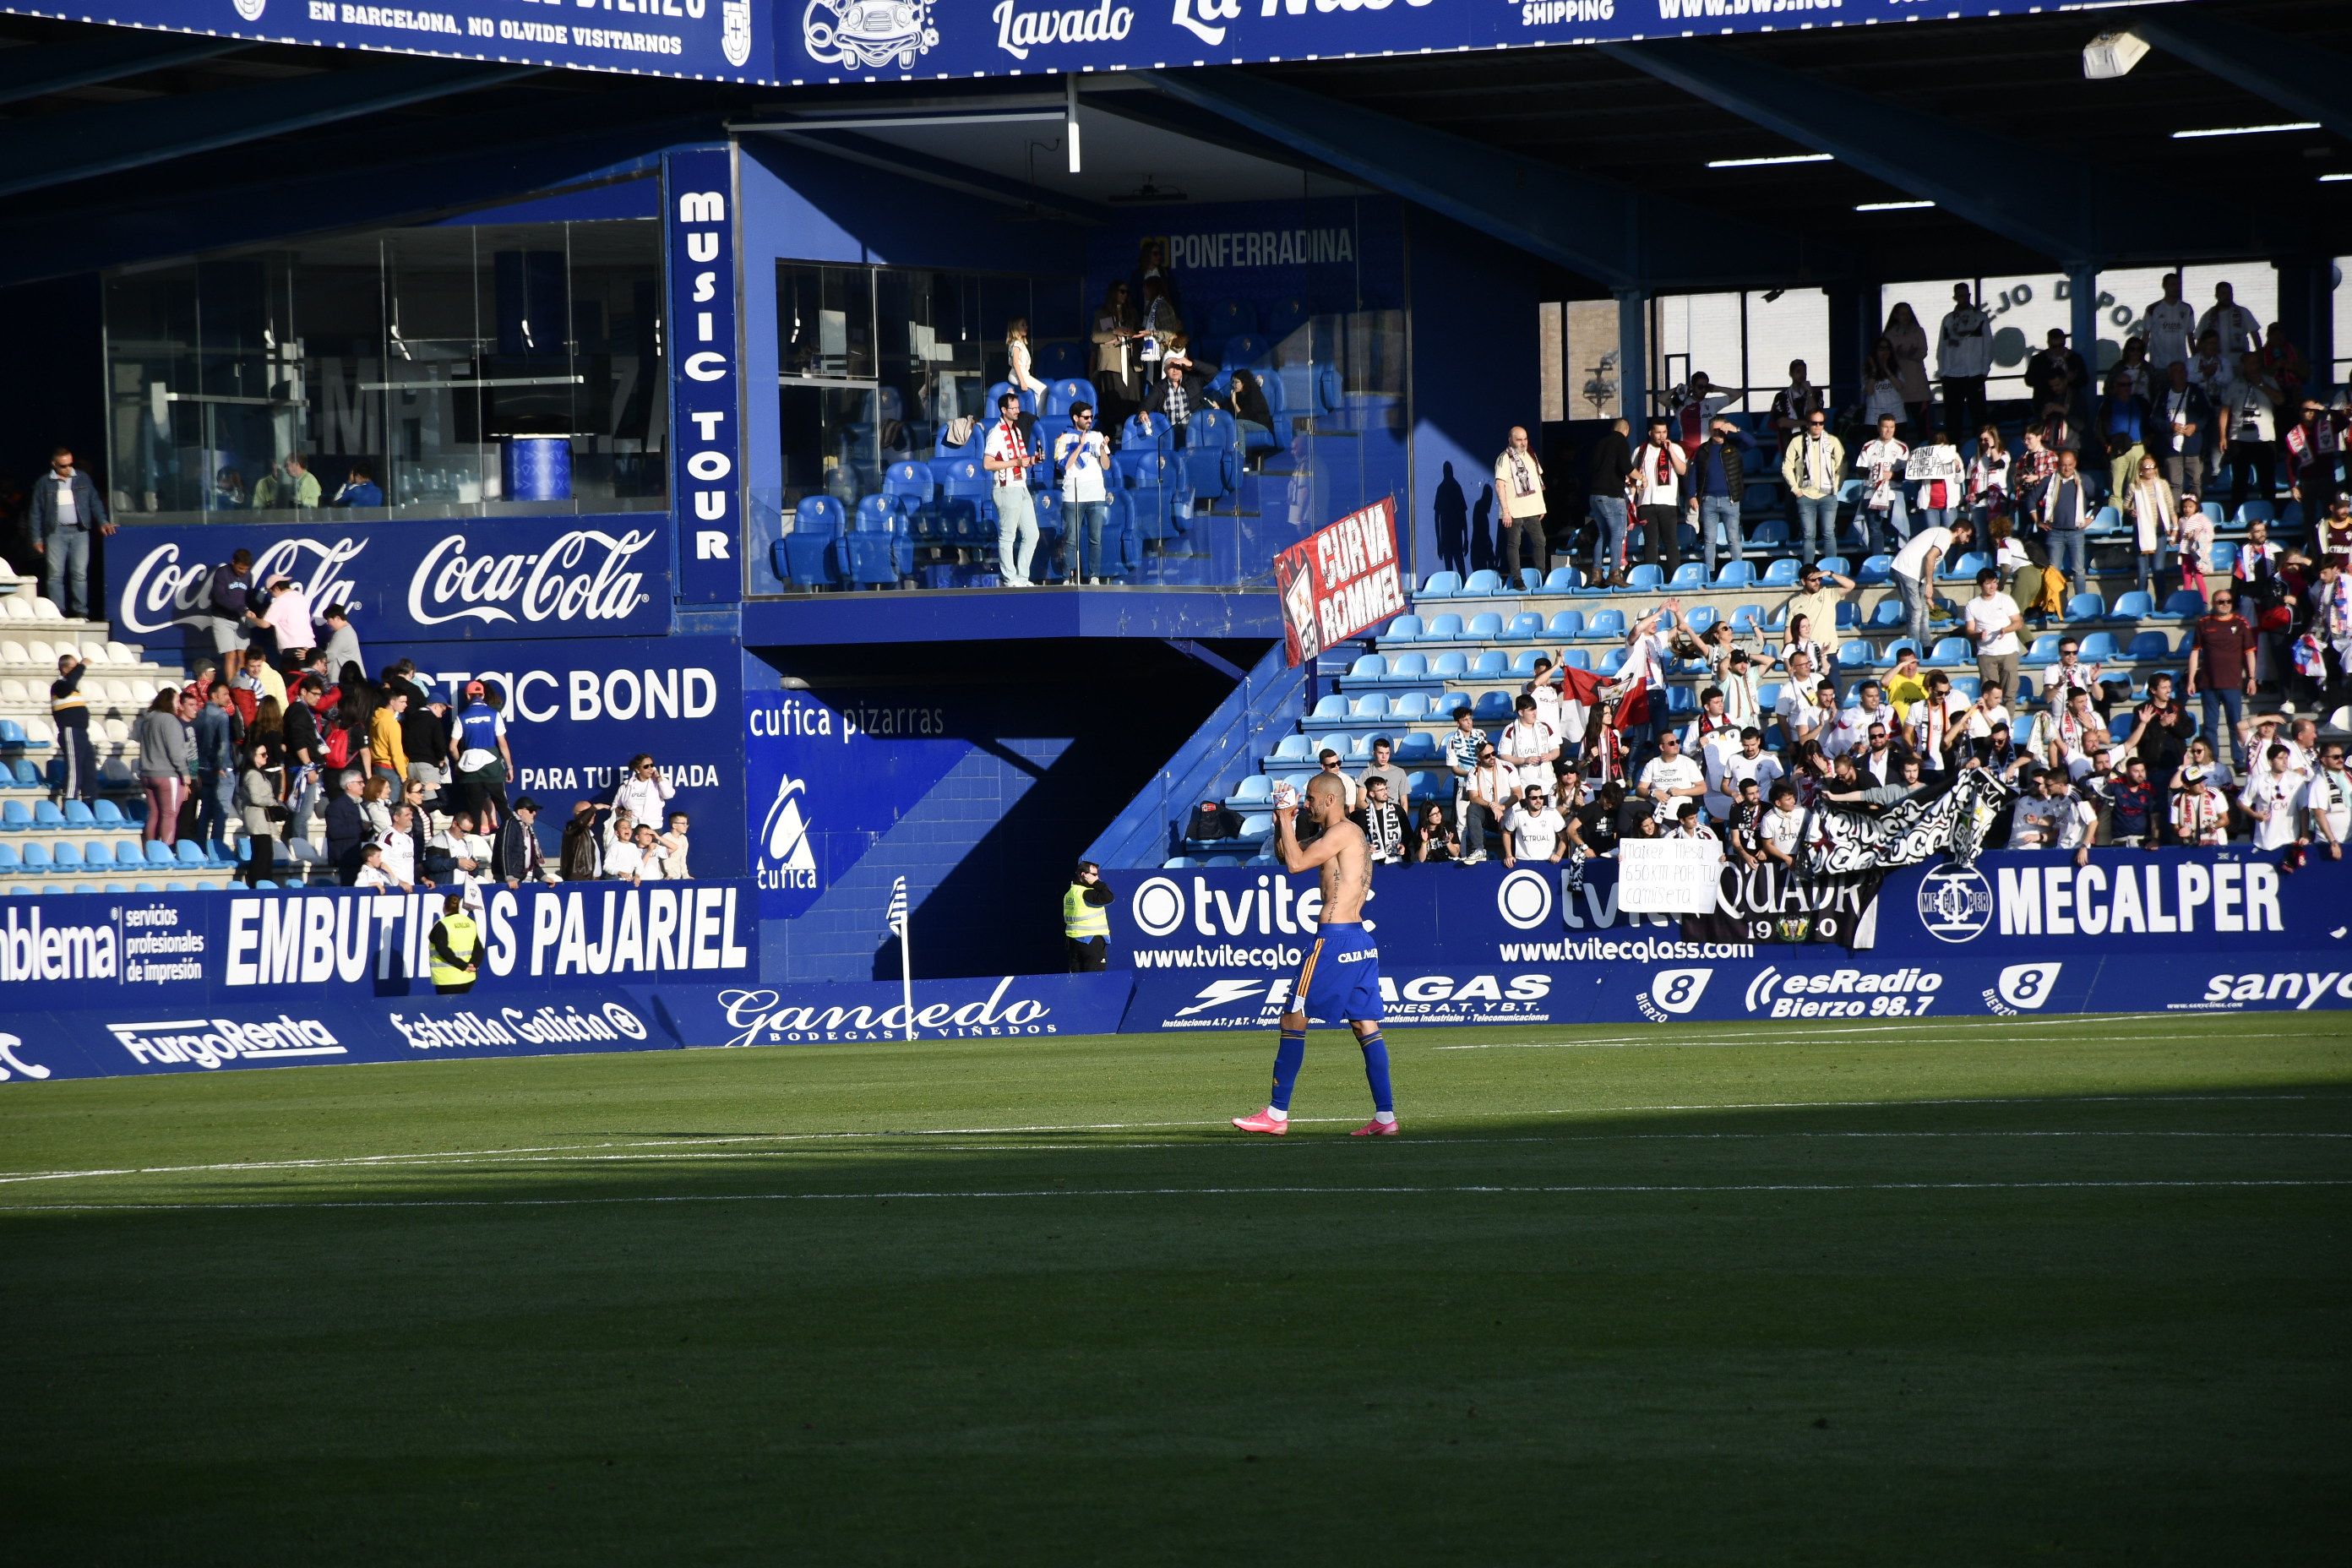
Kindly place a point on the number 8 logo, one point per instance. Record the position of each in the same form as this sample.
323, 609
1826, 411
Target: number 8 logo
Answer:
2028, 985
1678, 990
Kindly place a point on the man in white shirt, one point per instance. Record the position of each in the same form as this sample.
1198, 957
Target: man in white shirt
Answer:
1082, 457
2070, 675
1749, 764
1963, 356
2200, 812
1783, 827
1655, 490
2230, 322
1989, 711
373, 875
2327, 803
399, 848
1802, 717
1881, 465
1668, 779
1007, 459
2171, 326
1530, 745
2074, 734
1327, 761
1519, 498
1533, 830
2039, 814
1914, 571
1850, 731
1993, 621
1487, 792
2272, 797
1712, 731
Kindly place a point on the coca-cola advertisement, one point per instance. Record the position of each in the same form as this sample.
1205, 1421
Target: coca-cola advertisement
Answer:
408, 582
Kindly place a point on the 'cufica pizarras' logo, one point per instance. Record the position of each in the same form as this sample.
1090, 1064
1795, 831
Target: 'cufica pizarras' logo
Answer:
789, 860
864, 34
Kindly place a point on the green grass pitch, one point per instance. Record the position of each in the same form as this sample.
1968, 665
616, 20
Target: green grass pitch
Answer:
1969, 1292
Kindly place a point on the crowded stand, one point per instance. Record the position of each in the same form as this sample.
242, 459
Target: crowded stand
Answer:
280, 762
2130, 603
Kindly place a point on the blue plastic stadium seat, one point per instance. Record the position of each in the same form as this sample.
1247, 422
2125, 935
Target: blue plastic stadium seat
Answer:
106, 813
1493, 707
2181, 604
1837, 563
1565, 626
1441, 585
1690, 575
1061, 394
1294, 749
189, 856
11, 862
2225, 558
38, 857
2149, 645
1681, 701
1370, 667
1370, 708
1701, 619
1892, 651
1875, 570
1418, 747
1329, 709
2085, 608
2045, 649
1612, 661
46, 815
2134, 604
1563, 580
1950, 652
79, 815
1736, 574
1409, 666
1581, 659
1781, 573
15, 817
1444, 628
2257, 512
1481, 585
1747, 619
1484, 626
1410, 707
1405, 629
1608, 623
65, 857
1450, 665
1855, 655
1526, 627
160, 854
1646, 578
2098, 648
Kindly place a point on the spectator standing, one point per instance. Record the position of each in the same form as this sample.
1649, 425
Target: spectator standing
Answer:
1018, 361
2200, 811
674, 843
1609, 480
1812, 467
1942, 474
1669, 779
2331, 629
2057, 376
165, 761
2253, 433
2154, 512
1908, 340
2069, 678
1963, 357
2160, 730
384, 738
1795, 404
2315, 449
287, 617
424, 726
515, 855
643, 792
218, 734
400, 849
1116, 329
1006, 458
2327, 803
1486, 798
1719, 479
343, 648
1882, 387
2181, 427
66, 510
1881, 465
1750, 766
2171, 325
2221, 670
1986, 494
2139, 376
2232, 324
2065, 512
2122, 417
70, 715
1530, 745
1521, 507
1655, 490
1915, 572
1993, 624
228, 596
2273, 798
1384, 770
1082, 458
1382, 820
261, 813
481, 762
347, 829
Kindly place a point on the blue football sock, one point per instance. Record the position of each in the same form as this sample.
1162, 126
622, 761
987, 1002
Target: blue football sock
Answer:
1376, 1072
1288, 1057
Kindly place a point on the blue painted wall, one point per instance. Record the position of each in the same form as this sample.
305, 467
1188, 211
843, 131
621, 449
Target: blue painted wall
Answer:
1474, 375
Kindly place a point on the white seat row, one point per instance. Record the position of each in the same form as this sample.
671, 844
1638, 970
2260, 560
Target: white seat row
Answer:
99, 653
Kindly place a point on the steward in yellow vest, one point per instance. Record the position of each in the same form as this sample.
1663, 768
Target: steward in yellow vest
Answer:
1084, 924
456, 949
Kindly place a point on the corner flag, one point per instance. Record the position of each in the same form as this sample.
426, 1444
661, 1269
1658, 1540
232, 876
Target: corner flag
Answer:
895, 920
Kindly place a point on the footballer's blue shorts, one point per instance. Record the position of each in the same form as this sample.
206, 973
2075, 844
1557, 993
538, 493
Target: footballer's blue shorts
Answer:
1340, 978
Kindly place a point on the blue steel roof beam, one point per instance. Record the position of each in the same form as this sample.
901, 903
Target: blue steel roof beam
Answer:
874, 153
60, 149
2306, 81
1610, 233
1920, 154
104, 55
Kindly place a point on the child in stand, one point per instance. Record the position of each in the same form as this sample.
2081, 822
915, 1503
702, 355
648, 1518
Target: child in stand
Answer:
2193, 540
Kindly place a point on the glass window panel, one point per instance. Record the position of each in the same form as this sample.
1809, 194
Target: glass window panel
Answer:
1593, 385
1795, 326
1699, 333
620, 417
433, 391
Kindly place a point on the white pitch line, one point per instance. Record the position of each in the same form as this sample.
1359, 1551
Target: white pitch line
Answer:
1592, 1189
475, 1156
1626, 1041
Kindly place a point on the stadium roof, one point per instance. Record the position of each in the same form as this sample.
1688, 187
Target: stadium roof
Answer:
132, 144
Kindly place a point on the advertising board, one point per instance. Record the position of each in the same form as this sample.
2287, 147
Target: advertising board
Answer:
706, 384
